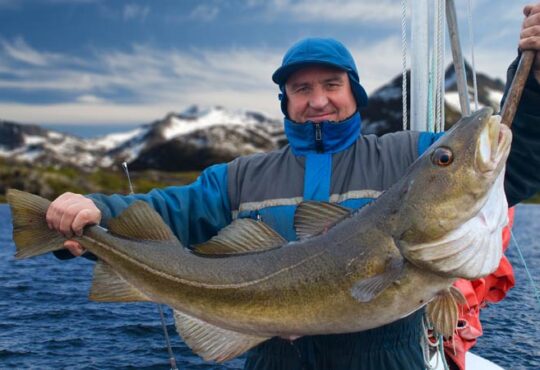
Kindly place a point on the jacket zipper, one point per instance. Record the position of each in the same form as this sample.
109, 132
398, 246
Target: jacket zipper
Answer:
318, 138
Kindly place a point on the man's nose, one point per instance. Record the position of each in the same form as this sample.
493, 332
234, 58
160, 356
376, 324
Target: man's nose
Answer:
318, 99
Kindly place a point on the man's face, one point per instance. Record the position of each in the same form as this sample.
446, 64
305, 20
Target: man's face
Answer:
319, 93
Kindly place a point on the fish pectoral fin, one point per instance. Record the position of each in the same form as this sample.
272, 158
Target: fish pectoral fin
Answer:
211, 342
141, 222
443, 311
367, 289
243, 235
108, 286
312, 218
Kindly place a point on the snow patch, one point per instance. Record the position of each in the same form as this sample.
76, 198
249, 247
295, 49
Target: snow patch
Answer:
111, 141
33, 140
178, 126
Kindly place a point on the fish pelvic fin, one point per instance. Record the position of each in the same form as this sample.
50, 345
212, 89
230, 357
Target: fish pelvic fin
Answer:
368, 289
31, 233
243, 235
211, 342
443, 311
313, 218
140, 222
108, 286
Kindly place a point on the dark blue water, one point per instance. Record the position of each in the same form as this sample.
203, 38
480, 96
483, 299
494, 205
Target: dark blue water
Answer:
47, 322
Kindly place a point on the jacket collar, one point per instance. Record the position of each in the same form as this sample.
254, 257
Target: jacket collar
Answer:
325, 137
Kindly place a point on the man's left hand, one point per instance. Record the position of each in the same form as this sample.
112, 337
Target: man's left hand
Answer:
530, 34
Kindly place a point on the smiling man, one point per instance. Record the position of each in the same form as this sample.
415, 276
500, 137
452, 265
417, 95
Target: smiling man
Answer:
327, 159
318, 94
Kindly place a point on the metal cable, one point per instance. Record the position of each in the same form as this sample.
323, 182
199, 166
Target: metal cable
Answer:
172, 360
529, 275
471, 40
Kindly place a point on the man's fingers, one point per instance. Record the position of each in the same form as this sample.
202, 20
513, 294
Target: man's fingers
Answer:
530, 31
65, 210
531, 9
55, 210
83, 218
74, 247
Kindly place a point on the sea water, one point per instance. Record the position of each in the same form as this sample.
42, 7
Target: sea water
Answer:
47, 321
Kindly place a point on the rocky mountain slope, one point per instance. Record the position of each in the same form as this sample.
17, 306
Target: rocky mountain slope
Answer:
191, 140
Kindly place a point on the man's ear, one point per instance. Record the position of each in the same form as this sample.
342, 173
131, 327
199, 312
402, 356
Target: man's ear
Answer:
282, 96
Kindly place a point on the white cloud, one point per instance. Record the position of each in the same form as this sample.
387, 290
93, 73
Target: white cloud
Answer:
135, 12
90, 99
161, 80
377, 62
19, 50
336, 11
204, 13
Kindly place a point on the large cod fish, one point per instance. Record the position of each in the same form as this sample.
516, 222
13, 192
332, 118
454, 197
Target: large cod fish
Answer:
348, 271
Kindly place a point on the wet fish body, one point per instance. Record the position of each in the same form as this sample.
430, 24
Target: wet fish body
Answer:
349, 271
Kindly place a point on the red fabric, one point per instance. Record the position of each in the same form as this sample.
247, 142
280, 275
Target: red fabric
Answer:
490, 289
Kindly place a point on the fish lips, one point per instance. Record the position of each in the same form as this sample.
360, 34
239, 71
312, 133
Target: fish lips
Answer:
493, 145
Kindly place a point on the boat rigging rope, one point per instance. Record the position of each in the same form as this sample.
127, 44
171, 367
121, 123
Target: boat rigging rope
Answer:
529, 275
439, 67
404, 63
471, 40
428, 346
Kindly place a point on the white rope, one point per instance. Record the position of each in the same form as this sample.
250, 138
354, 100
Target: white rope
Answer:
471, 39
439, 50
404, 63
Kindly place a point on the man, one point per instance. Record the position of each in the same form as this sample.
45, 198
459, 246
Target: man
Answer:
327, 160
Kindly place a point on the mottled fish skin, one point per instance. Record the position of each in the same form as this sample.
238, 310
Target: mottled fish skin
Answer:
367, 269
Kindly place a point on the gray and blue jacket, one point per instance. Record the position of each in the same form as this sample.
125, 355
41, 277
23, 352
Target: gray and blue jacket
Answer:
324, 162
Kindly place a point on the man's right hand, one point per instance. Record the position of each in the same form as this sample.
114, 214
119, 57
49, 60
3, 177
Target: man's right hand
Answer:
69, 214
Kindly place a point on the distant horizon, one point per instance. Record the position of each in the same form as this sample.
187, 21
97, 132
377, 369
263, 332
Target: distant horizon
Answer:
89, 131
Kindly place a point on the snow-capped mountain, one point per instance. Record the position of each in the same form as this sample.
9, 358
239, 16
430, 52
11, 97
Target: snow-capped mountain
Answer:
197, 138
187, 141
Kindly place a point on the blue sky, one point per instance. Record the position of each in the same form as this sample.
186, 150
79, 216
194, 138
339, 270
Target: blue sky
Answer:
105, 62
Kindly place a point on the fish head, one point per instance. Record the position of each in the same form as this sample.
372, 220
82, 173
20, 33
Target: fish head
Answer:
453, 206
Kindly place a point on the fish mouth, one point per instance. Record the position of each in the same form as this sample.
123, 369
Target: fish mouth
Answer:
493, 145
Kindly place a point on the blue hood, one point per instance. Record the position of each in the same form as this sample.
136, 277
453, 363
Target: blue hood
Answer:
319, 51
325, 137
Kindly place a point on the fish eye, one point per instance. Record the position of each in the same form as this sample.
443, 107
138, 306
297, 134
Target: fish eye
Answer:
442, 157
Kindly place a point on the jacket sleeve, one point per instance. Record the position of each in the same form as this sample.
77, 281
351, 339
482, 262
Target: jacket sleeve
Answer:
194, 212
522, 176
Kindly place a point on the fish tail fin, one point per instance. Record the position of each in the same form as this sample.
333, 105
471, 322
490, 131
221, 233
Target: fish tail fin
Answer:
31, 233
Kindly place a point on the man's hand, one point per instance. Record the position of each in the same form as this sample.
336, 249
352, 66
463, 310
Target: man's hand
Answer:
69, 214
530, 34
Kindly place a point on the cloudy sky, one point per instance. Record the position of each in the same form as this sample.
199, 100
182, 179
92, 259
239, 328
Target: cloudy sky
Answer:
105, 62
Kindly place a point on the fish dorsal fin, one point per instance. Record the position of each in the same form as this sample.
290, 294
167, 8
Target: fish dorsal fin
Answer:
211, 342
443, 311
141, 222
367, 289
312, 218
242, 236
108, 286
